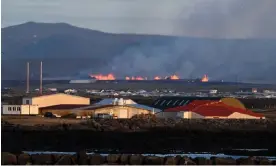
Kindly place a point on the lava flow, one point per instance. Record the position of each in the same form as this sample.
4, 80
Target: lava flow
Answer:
205, 78
103, 77
135, 78
157, 78
174, 77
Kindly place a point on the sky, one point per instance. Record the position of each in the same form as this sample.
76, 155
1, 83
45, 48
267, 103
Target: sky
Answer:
196, 18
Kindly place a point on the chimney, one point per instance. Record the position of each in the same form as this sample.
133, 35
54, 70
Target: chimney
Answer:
40, 88
28, 78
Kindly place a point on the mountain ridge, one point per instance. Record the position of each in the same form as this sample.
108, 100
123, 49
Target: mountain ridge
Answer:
67, 50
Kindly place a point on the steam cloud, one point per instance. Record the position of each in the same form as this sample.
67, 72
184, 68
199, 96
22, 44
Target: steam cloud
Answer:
249, 60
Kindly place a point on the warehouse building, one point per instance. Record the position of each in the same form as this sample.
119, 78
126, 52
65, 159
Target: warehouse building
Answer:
30, 105
171, 102
55, 99
165, 103
199, 109
174, 112
19, 109
113, 107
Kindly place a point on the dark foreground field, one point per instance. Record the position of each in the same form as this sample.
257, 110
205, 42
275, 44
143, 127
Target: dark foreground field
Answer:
138, 135
82, 158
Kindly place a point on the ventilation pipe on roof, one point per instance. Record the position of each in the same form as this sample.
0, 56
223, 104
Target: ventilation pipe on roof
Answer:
115, 101
121, 101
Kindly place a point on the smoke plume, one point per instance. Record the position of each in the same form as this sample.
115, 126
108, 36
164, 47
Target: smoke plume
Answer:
245, 59
230, 19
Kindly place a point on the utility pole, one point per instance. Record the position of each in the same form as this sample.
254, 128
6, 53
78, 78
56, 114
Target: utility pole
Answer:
40, 88
28, 78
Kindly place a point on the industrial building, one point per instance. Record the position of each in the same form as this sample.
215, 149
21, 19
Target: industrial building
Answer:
207, 109
115, 108
171, 102
20, 109
30, 105
55, 99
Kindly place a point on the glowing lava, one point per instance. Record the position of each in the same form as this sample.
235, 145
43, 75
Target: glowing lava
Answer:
139, 78
157, 78
174, 77
205, 78
103, 77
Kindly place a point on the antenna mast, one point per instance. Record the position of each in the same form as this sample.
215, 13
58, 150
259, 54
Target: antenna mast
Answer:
40, 88
28, 78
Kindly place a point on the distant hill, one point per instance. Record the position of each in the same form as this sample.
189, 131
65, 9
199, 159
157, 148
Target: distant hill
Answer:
72, 51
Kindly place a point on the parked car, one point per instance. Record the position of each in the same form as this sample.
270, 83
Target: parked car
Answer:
104, 116
49, 115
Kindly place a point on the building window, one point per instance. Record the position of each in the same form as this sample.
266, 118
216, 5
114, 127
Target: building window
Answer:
162, 102
14, 108
181, 102
175, 102
156, 102
27, 101
186, 102
18, 109
169, 102
9, 108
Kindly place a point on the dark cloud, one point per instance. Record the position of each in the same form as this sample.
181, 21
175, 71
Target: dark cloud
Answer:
231, 19
201, 18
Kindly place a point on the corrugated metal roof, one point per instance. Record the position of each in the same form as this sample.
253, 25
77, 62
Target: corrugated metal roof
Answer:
190, 106
105, 101
97, 106
170, 102
144, 107
49, 94
111, 100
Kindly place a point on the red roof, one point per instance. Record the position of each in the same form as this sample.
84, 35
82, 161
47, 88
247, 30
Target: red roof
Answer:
213, 110
192, 105
248, 112
221, 109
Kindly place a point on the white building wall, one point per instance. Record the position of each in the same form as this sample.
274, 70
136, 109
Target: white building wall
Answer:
216, 117
192, 115
56, 99
237, 115
27, 101
163, 114
129, 101
29, 110
11, 109
123, 113
20, 110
